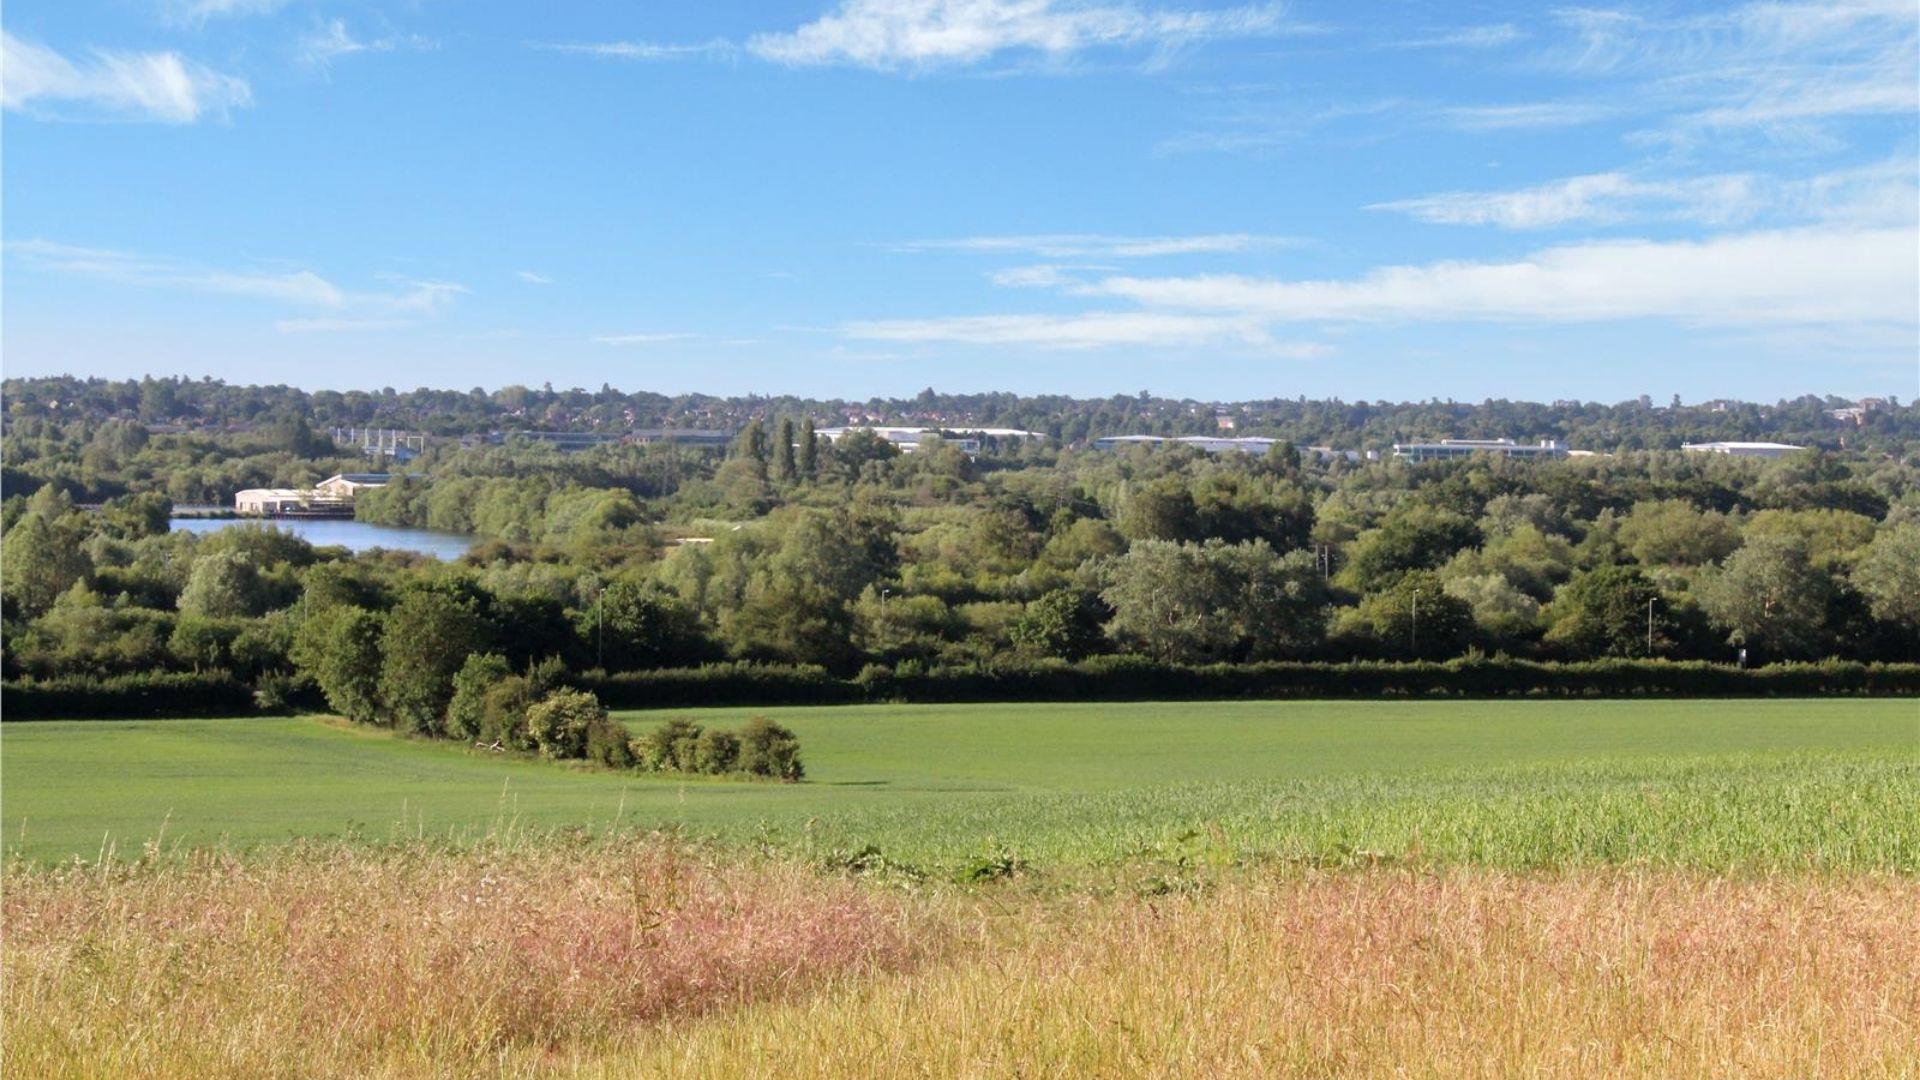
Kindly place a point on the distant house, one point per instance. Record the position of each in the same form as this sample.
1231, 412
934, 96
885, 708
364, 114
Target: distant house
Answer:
270, 502
1744, 449
347, 485
332, 497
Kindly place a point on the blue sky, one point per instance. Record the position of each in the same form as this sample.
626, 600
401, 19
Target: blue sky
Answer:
867, 197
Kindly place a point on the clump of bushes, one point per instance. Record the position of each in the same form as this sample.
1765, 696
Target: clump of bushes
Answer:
760, 748
534, 712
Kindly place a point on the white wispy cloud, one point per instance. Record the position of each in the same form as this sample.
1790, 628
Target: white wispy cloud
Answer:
332, 40
1600, 198
532, 277
162, 86
919, 35
1043, 276
198, 11
887, 35
1524, 116
404, 299
1885, 192
1100, 246
1470, 37
1814, 275
1086, 330
658, 337
1768, 65
337, 326
640, 50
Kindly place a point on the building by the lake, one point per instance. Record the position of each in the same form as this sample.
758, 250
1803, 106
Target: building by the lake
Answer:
332, 497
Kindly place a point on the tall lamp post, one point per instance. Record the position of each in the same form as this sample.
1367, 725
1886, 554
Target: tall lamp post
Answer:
1650, 601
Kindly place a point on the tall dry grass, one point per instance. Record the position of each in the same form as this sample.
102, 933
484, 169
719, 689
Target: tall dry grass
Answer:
355, 961
1372, 974
646, 958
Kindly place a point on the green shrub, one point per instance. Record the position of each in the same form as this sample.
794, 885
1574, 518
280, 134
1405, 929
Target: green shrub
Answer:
467, 710
717, 752
768, 749
671, 747
503, 713
558, 723
607, 743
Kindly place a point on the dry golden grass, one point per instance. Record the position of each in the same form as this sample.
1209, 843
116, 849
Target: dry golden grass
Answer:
643, 958
1377, 973
343, 961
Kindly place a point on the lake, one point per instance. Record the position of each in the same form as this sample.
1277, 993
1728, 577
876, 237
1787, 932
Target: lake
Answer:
346, 533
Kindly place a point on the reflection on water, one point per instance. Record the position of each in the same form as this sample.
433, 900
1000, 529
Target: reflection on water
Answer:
340, 532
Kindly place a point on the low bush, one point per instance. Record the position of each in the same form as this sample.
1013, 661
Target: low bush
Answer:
761, 748
558, 723
767, 749
607, 743
669, 747
82, 697
717, 752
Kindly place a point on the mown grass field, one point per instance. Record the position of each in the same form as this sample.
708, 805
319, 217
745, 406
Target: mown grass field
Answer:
1827, 785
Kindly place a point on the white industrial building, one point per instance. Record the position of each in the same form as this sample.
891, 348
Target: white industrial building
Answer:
908, 439
332, 496
1744, 449
1214, 444
270, 502
1448, 449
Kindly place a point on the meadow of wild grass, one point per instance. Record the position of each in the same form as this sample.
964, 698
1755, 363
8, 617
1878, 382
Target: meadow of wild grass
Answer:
1373, 973
359, 960
1747, 785
647, 957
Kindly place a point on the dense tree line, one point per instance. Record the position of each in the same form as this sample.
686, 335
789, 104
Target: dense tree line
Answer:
786, 549
210, 405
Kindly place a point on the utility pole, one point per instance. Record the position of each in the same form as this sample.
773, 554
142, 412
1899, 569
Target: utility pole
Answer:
1413, 636
1650, 601
600, 625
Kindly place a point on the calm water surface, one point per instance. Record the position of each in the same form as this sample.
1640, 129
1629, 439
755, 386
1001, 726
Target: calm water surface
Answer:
339, 532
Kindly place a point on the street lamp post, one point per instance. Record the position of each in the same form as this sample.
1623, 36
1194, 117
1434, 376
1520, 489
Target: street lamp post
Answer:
1650, 601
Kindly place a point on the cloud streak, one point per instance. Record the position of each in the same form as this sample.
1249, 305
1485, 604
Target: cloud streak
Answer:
658, 337
1088, 330
924, 35
406, 299
332, 41
1809, 276
109, 84
1101, 246
889, 35
1885, 192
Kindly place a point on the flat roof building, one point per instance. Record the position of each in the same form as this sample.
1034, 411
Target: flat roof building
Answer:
1215, 444
347, 485
270, 501
1744, 449
1449, 449
968, 439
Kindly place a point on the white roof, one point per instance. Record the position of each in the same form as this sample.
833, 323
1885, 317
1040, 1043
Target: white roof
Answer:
270, 493
1740, 446
958, 429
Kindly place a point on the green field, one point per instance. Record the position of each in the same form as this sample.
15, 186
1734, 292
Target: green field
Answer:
1759, 785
